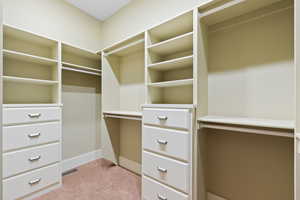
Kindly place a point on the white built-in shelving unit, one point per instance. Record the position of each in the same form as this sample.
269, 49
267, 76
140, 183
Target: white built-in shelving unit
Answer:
31, 68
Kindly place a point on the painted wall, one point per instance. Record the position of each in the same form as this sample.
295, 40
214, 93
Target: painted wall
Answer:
140, 15
61, 21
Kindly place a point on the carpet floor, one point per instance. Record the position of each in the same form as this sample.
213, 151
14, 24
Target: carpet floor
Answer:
98, 180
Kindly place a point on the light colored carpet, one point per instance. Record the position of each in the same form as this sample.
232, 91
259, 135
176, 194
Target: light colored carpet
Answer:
98, 180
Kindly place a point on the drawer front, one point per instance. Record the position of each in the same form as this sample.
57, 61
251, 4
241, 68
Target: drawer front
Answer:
16, 137
173, 118
153, 190
28, 115
24, 160
168, 142
20, 186
168, 171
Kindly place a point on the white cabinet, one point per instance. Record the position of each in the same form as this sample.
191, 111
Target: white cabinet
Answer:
167, 158
31, 151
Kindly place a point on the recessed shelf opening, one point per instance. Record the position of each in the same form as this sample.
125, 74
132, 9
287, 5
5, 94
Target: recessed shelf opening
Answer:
78, 58
180, 25
28, 43
252, 75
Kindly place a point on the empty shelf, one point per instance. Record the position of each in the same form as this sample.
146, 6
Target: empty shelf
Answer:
81, 71
123, 115
27, 57
28, 80
31, 105
127, 49
172, 83
180, 43
177, 63
80, 67
251, 125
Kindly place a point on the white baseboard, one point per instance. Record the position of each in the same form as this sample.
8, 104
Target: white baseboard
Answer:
211, 196
130, 165
74, 162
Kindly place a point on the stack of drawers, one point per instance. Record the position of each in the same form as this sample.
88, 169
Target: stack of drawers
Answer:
167, 152
31, 151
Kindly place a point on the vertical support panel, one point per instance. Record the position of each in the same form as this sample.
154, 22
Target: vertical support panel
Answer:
110, 128
1, 86
199, 99
297, 86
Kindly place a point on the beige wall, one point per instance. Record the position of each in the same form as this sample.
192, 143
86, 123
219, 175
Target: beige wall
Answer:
63, 22
140, 15
55, 19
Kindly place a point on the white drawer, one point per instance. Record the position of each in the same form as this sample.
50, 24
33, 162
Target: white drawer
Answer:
153, 190
20, 186
28, 115
172, 143
166, 170
16, 137
174, 118
24, 160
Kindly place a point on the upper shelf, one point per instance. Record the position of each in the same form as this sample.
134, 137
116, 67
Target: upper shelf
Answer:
176, 26
16, 33
28, 80
80, 67
80, 52
180, 43
224, 10
252, 125
27, 57
123, 115
174, 83
127, 49
127, 46
177, 63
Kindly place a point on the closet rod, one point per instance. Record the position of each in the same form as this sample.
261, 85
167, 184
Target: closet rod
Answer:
81, 71
122, 117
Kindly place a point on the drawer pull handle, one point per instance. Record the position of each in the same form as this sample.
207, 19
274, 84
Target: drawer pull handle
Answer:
163, 170
34, 135
162, 117
162, 142
35, 181
160, 197
35, 158
34, 115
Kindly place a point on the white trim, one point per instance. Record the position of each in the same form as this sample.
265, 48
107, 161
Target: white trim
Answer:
43, 191
130, 165
82, 159
211, 196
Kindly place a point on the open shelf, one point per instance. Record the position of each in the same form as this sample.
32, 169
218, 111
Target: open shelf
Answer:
81, 71
283, 128
175, 45
28, 80
172, 83
31, 105
176, 63
177, 26
28, 43
127, 49
235, 8
254, 122
27, 57
75, 57
123, 115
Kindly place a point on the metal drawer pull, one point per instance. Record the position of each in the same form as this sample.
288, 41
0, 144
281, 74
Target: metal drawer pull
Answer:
34, 115
35, 158
34, 135
161, 197
162, 169
162, 142
162, 117
35, 181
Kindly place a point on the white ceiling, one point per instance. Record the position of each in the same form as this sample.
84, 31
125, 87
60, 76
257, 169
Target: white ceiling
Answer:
100, 9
